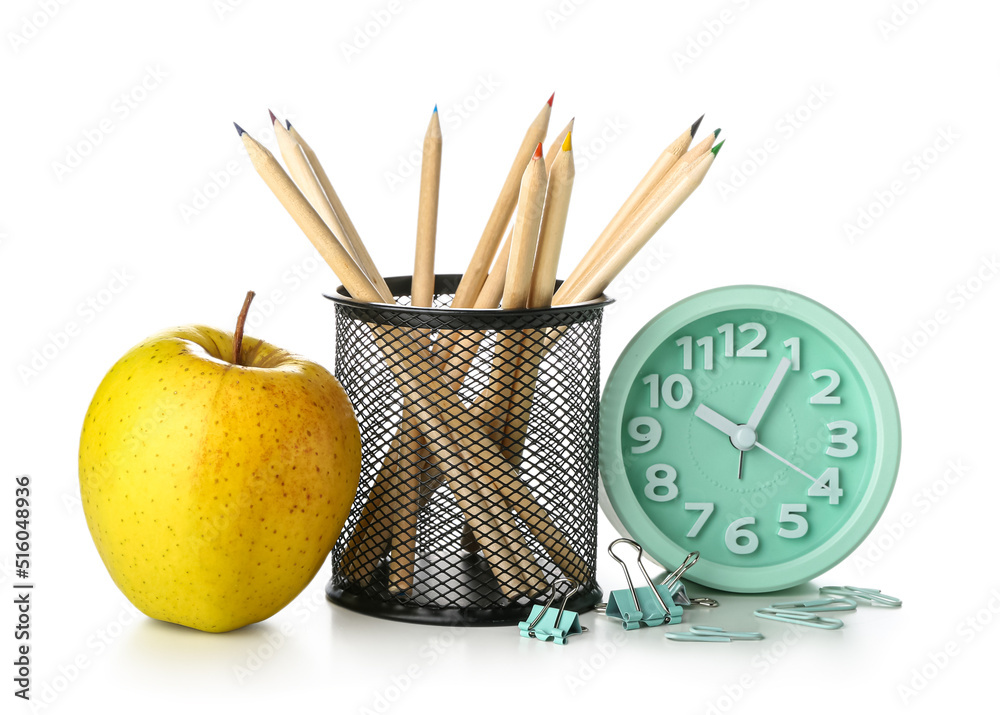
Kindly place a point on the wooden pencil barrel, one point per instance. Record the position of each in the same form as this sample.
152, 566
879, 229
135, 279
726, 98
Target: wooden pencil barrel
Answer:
428, 472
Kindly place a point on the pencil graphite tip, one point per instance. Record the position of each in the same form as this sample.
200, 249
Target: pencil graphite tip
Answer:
715, 149
697, 123
239, 129
538, 152
568, 142
551, 98
288, 125
274, 119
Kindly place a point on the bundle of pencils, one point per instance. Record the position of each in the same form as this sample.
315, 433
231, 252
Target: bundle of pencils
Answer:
474, 446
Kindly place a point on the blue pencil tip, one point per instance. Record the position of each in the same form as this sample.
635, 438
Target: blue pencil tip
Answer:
435, 109
239, 129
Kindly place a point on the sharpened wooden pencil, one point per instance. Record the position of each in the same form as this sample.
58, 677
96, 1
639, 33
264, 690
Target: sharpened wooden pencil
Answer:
475, 275
422, 292
639, 194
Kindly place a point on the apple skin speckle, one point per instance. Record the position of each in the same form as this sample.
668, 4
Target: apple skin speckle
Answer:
204, 557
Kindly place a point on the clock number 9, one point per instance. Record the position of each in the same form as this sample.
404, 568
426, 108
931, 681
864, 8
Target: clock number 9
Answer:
645, 430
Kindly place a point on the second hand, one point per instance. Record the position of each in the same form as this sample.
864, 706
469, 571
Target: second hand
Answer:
784, 461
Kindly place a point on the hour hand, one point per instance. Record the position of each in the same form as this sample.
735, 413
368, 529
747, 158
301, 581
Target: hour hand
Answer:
726, 426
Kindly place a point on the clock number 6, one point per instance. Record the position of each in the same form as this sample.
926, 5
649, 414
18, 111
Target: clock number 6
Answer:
737, 531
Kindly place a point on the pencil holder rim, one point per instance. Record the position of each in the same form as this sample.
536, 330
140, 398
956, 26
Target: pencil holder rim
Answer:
447, 283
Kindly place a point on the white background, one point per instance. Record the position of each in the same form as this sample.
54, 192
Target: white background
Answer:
162, 222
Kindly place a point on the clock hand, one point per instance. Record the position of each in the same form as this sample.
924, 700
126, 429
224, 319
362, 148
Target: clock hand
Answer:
738, 434
769, 392
741, 436
739, 472
785, 461
726, 426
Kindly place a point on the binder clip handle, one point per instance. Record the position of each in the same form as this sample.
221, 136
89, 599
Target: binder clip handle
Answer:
628, 577
548, 604
544, 627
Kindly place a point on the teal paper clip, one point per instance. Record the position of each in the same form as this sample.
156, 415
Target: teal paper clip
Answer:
645, 606
819, 605
547, 624
713, 634
798, 617
872, 595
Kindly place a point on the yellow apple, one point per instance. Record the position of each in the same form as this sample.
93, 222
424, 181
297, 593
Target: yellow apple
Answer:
216, 473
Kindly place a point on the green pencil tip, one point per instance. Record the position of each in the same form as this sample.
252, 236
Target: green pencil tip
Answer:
716, 132
715, 149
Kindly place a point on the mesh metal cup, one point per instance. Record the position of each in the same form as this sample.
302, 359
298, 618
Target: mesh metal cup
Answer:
478, 484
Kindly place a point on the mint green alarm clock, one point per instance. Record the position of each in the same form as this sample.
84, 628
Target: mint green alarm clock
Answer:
752, 425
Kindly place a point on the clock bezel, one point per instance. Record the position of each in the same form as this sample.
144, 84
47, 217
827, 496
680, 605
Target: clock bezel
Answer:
620, 503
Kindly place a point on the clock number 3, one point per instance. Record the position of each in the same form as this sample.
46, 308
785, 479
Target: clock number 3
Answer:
849, 445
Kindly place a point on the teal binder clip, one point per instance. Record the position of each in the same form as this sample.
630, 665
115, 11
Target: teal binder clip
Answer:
649, 605
547, 624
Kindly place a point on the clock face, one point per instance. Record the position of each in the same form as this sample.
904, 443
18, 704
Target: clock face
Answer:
754, 426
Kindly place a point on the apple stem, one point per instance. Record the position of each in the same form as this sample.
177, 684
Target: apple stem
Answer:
240, 322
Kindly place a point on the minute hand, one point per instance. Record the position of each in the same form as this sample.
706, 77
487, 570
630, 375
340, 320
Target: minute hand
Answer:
769, 392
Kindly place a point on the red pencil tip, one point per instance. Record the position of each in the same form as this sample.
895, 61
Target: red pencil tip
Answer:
273, 118
551, 98
538, 151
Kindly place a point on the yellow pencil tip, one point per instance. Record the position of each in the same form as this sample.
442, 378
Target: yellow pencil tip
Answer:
568, 143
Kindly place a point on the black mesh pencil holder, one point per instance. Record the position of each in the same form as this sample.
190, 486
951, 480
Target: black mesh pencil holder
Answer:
479, 458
